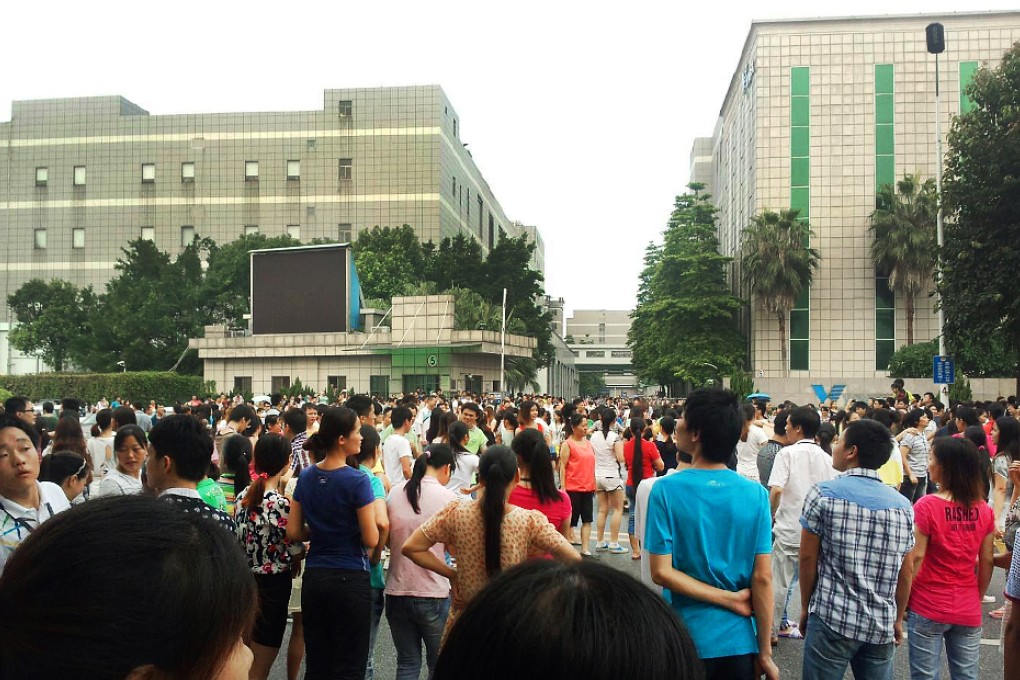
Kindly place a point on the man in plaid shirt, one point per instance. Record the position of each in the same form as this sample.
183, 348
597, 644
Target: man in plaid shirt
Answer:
295, 426
856, 535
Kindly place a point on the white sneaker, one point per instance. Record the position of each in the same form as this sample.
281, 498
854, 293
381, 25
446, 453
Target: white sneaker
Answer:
988, 599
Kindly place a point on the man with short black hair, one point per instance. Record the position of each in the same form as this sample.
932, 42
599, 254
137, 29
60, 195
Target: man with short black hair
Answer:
856, 535
25, 502
470, 414
295, 429
20, 408
179, 455
797, 468
698, 556
397, 454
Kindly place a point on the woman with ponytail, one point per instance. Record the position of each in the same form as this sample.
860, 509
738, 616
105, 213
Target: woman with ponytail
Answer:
418, 600
261, 513
487, 535
536, 489
463, 477
642, 458
577, 478
609, 484
334, 507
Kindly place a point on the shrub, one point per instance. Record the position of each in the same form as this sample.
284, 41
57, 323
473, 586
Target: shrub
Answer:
165, 388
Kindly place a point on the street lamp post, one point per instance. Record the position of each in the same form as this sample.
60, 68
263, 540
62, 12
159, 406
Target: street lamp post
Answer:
935, 37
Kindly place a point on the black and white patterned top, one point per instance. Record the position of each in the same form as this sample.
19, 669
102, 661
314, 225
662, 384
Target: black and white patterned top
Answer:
188, 500
263, 533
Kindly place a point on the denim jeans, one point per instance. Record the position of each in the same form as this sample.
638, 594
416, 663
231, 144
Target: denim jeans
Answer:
963, 644
414, 620
827, 654
377, 609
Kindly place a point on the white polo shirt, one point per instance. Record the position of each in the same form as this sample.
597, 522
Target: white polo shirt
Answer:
797, 468
17, 522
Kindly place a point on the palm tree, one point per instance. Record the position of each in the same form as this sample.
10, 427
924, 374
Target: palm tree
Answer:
904, 245
777, 262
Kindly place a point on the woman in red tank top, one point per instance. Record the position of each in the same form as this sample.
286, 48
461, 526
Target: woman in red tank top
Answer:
577, 478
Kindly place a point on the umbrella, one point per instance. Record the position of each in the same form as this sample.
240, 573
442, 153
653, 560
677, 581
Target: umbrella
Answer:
759, 395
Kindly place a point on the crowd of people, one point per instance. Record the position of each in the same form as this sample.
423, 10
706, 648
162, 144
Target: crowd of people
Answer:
177, 542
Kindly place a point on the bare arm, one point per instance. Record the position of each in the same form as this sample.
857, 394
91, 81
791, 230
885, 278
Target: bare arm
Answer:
297, 530
775, 494
904, 450
665, 575
618, 451
1011, 644
369, 529
564, 457
382, 523
902, 597
417, 549
985, 565
762, 603
999, 498
405, 465
810, 547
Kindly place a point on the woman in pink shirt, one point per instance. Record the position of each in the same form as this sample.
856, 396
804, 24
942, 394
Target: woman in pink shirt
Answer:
577, 478
417, 600
954, 530
537, 488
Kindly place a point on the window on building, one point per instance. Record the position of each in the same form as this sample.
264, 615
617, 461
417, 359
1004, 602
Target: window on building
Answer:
336, 382
188, 171
595, 354
39, 240
148, 173
251, 171
343, 232
469, 204
293, 170
345, 108
454, 127
481, 210
78, 238
242, 384
148, 234
379, 385
492, 228
294, 231
620, 354
278, 383
42, 176
79, 176
453, 183
251, 229
885, 322
187, 236
346, 169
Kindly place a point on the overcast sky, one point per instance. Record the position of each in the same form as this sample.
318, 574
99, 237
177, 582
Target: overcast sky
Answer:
580, 115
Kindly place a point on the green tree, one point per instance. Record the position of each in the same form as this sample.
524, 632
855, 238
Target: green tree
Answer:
455, 262
778, 263
508, 265
982, 205
227, 280
591, 384
53, 320
684, 323
904, 245
150, 308
521, 373
389, 259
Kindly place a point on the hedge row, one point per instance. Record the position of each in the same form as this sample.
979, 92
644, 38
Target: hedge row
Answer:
165, 388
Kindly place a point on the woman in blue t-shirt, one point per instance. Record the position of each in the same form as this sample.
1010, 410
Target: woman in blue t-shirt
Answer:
333, 507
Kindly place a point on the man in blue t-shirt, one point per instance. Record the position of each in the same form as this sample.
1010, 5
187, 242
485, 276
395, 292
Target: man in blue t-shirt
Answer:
709, 535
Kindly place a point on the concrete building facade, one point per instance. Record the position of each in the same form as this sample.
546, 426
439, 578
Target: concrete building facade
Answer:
421, 349
80, 178
819, 114
598, 338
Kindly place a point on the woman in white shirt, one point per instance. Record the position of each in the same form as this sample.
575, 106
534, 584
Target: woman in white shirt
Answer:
126, 478
463, 477
100, 447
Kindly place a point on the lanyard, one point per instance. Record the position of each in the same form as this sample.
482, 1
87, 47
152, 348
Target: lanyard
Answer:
22, 523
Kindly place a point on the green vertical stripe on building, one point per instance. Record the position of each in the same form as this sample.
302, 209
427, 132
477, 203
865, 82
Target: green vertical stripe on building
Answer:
885, 174
967, 71
800, 200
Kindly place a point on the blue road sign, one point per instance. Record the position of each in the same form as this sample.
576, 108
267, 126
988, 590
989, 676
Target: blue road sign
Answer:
943, 370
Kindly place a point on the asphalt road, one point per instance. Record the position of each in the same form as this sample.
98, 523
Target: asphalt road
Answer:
787, 655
